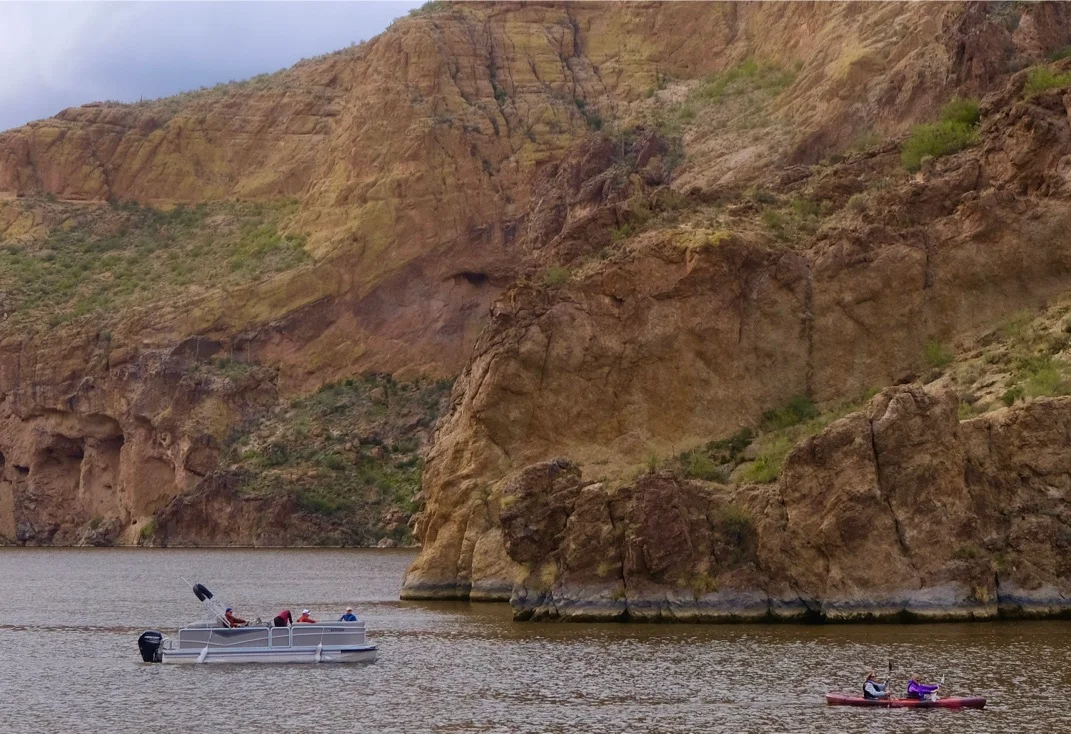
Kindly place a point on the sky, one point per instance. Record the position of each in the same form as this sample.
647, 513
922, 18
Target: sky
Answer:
55, 55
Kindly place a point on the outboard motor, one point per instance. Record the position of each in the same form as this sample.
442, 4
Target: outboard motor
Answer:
150, 644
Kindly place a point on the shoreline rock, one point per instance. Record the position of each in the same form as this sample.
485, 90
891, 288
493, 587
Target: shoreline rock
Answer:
899, 513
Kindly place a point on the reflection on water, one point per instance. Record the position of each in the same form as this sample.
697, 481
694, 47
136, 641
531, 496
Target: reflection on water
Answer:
69, 620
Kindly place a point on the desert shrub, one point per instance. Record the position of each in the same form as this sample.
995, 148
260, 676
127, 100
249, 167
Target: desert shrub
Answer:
774, 220
937, 356
701, 466
556, 276
1046, 379
1061, 53
967, 552
806, 207
761, 471
1042, 78
935, 140
797, 410
432, 6
1012, 394
857, 203
961, 110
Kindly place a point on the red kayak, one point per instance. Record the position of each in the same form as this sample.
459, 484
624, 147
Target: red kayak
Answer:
844, 699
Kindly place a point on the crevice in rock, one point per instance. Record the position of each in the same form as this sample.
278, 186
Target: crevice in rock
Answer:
900, 539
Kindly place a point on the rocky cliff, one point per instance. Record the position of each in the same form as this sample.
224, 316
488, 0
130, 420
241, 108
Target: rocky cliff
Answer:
631, 229
896, 510
760, 283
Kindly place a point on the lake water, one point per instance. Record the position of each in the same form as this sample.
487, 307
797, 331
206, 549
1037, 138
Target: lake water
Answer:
69, 622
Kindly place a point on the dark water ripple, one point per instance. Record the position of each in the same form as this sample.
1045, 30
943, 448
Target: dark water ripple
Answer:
69, 620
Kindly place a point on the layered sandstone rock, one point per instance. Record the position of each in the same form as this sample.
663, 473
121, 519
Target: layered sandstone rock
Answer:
669, 345
896, 510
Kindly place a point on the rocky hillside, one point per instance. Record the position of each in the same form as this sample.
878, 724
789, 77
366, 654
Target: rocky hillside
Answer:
632, 230
752, 280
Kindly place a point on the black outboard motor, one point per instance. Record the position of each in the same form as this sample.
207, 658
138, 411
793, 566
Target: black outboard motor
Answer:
150, 644
202, 592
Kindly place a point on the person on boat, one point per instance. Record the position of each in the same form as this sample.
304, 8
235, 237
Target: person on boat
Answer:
233, 621
349, 616
283, 619
920, 691
873, 689
305, 618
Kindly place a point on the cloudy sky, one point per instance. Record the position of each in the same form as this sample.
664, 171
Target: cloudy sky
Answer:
62, 54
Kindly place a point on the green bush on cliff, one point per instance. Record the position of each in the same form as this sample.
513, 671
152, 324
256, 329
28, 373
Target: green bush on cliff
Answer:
955, 130
1045, 378
962, 110
432, 6
937, 356
763, 470
935, 140
556, 276
1042, 78
797, 410
701, 466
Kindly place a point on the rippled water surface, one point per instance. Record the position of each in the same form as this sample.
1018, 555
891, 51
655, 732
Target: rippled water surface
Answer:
69, 621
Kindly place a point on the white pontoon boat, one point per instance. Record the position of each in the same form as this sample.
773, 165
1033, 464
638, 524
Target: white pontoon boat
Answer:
216, 642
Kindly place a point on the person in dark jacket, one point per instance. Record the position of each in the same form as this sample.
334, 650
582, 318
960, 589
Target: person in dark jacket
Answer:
873, 689
349, 616
283, 619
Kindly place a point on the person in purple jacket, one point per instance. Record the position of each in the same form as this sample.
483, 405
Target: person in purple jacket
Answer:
920, 691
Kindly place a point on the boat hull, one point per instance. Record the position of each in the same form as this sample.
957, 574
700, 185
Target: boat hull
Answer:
361, 654
844, 699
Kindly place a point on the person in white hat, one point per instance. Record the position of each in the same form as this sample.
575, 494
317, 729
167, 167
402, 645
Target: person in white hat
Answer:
305, 618
349, 616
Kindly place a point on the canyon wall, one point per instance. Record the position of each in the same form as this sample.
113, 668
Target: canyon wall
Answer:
467, 189
669, 345
894, 512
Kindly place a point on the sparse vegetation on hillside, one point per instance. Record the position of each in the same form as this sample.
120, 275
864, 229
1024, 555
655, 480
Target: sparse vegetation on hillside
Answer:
1042, 78
751, 81
127, 255
432, 6
747, 76
351, 453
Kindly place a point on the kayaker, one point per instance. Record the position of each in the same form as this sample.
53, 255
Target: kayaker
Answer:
349, 616
305, 618
873, 689
920, 691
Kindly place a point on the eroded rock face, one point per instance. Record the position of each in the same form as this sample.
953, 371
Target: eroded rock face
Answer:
85, 460
896, 510
674, 345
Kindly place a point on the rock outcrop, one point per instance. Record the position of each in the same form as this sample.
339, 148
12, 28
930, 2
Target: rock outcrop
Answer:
898, 511
670, 344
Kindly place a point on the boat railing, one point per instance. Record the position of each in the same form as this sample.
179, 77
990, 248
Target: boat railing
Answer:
336, 634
